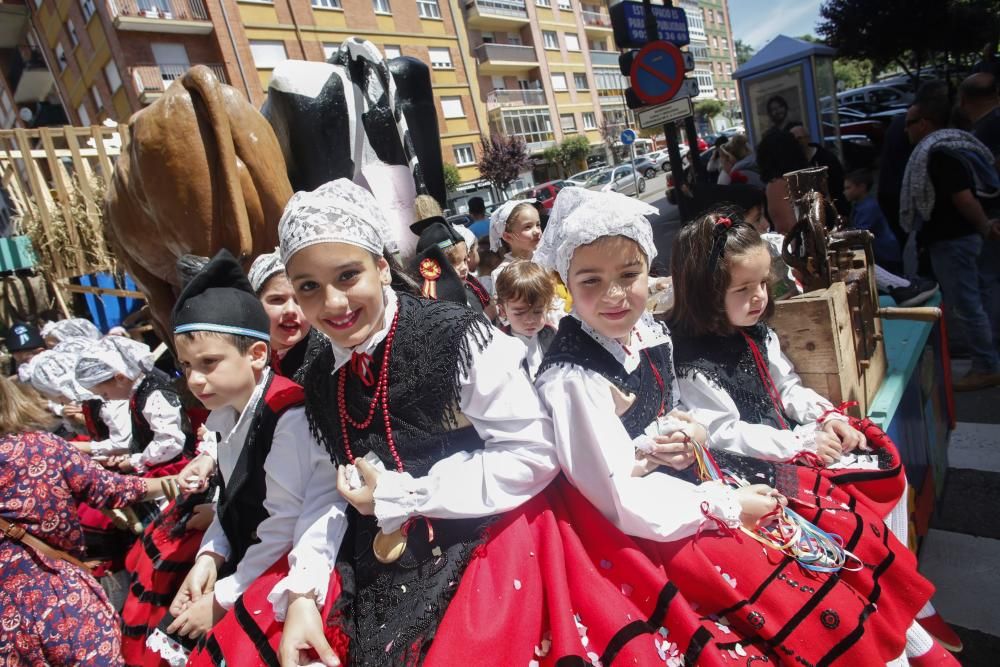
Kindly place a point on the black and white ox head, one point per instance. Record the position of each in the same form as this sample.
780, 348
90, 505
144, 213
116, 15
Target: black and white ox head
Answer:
361, 118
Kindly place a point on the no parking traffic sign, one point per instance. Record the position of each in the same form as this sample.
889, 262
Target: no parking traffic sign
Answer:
657, 72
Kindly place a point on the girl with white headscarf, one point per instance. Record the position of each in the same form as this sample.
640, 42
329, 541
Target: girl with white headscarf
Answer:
515, 231
608, 381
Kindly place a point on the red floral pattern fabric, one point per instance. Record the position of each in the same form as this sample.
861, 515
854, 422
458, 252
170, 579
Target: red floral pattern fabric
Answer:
52, 612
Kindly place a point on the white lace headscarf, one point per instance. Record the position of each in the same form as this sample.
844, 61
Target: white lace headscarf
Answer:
54, 374
580, 217
264, 268
114, 355
469, 236
498, 221
75, 327
336, 212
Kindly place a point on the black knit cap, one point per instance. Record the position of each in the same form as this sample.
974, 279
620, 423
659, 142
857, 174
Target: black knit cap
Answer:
219, 298
22, 337
435, 231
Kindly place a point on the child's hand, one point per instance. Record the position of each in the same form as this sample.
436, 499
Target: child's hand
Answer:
363, 499
757, 501
672, 450
121, 463
202, 517
82, 447
199, 583
194, 477
850, 438
828, 447
74, 413
303, 634
198, 618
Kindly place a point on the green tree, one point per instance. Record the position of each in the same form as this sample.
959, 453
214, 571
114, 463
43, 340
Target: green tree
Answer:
709, 108
744, 51
452, 179
502, 160
847, 72
568, 154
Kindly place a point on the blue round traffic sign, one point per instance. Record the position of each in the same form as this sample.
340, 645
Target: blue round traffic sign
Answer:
628, 137
657, 72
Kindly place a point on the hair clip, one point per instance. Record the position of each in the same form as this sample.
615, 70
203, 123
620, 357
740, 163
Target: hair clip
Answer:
723, 221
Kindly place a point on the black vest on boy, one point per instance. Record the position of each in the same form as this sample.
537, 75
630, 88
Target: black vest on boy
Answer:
728, 362
241, 502
142, 433
397, 607
572, 345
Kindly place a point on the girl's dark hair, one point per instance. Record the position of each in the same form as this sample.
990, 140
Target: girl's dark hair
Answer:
400, 280
699, 284
778, 153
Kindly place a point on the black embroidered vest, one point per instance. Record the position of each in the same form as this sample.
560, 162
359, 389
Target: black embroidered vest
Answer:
142, 433
399, 605
728, 362
96, 428
293, 365
241, 503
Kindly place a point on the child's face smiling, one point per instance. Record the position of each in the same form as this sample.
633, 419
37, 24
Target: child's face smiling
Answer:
339, 287
288, 324
609, 282
524, 232
746, 296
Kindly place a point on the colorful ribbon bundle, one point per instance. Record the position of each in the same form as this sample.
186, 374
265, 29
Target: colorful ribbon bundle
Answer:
788, 532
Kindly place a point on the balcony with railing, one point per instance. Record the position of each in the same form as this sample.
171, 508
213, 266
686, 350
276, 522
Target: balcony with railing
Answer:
496, 14
152, 80
603, 58
29, 76
505, 58
183, 17
596, 22
501, 99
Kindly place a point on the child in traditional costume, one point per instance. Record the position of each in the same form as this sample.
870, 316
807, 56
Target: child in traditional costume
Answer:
736, 381
74, 327
515, 231
293, 339
278, 485
52, 611
524, 295
608, 381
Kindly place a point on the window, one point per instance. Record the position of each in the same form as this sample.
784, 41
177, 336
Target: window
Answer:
567, 122
709, 16
111, 74
381, 6
267, 54
589, 120
60, 57
696, 25
428, 9
440, 58
391, 52
514, 38
497, 82
464, 155
705, 84
609, 79
452, 107
729, 69
543, 3
98, 102
71, 30
723, 94
719, 17
326, 4
550, 40
533, 126
565, 5
572, 42
725, 44
715, 41
81, 111
559, 81
88, 9
580, 81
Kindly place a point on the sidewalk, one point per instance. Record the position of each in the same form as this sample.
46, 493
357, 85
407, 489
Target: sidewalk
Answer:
961, 553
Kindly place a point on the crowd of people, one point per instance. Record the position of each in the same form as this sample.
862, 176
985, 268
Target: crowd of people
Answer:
491, 453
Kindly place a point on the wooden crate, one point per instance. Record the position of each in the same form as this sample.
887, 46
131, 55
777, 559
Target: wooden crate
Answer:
816, 334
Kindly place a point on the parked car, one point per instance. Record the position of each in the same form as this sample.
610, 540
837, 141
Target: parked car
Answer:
645, 166
463, 219
545, 193
618, 179
660, 158
581, 178
877, 97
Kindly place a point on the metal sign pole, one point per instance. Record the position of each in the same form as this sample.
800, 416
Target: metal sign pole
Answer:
635, 176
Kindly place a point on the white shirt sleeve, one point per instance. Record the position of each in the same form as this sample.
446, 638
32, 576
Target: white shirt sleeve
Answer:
115, 414
305, 515
597, 454
518, 459
214, 540
801, 403
165, 420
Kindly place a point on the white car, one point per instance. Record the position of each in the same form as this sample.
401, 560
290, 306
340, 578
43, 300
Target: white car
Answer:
618, 179
582, 177
660, 158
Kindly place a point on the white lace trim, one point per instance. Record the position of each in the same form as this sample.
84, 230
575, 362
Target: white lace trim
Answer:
169, 650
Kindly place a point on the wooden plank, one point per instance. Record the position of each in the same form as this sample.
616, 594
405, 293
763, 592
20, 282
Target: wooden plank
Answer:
83, 178
42, 154
102, 291
40, 194
64, 192
803, 324
107, 168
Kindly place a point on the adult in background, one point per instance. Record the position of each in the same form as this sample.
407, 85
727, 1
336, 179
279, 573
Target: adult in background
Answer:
819, 156
480, 224
979, 100
777, 154
939, 201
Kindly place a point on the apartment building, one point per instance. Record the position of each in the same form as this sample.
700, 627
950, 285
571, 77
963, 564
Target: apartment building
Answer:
714, 50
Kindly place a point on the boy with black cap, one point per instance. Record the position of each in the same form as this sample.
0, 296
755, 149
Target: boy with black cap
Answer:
266, 456
438, 241
23, 342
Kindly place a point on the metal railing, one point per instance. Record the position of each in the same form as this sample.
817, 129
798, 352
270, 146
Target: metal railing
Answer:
506, 52
515, 98
177, 10
598, 19
155, 78
514, 8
